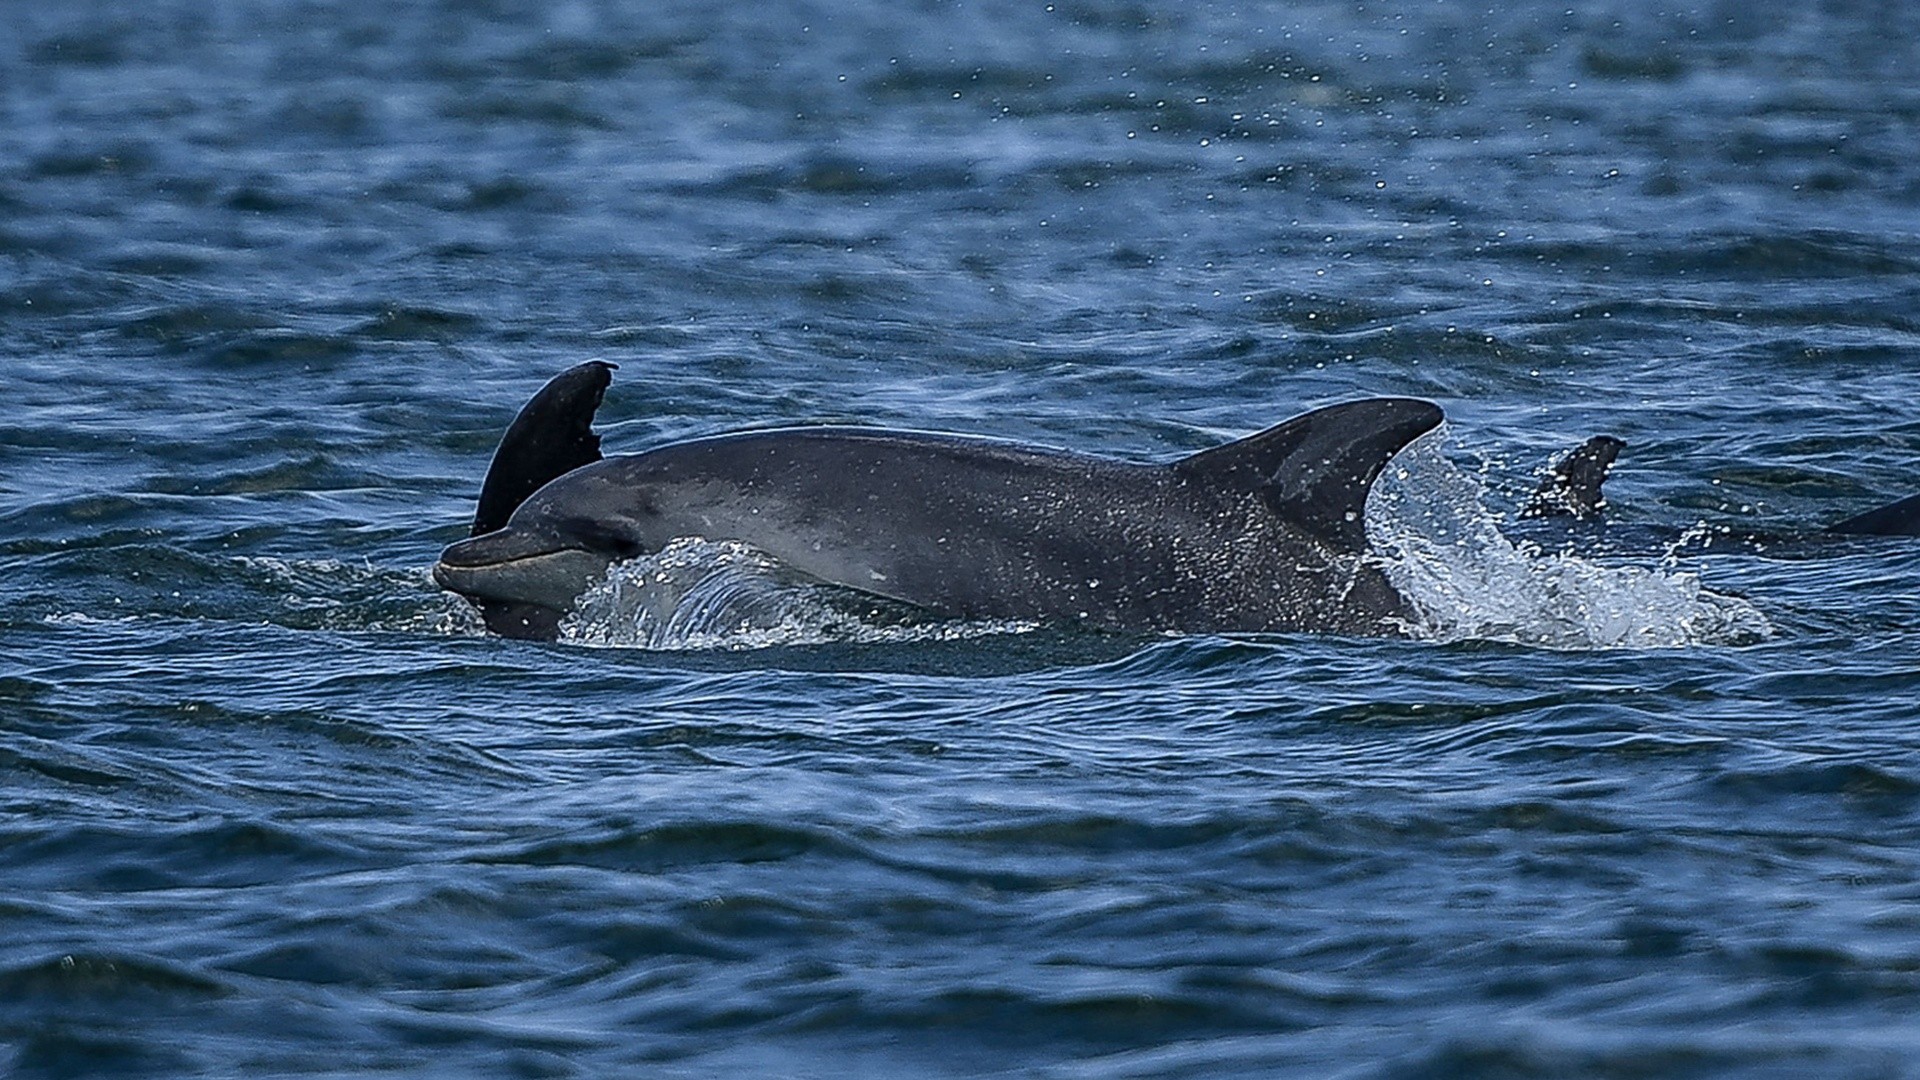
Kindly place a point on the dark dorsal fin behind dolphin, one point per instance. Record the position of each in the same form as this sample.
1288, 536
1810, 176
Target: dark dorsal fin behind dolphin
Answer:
1315, 470
1895, 519
552, 436
1572, 485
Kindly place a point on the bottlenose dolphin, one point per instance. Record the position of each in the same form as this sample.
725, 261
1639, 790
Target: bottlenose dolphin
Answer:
1263, 534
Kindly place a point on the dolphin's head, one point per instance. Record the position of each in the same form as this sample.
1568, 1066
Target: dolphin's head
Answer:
521, 566
529, 572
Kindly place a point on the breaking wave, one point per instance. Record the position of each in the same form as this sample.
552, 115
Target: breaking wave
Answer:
1443, 549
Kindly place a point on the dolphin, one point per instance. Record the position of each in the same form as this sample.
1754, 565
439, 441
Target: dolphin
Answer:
1263, 534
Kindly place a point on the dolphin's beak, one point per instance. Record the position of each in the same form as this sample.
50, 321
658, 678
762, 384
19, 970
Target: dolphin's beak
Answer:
519, 566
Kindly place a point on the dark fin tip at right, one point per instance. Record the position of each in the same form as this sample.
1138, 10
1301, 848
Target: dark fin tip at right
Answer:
1894, 519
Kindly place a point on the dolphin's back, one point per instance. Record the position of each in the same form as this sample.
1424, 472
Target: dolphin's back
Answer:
969, 527
1262, 534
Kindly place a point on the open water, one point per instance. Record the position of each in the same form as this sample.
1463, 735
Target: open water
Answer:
275, 275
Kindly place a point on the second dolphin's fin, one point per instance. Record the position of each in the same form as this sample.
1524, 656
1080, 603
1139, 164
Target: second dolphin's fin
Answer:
1572, 485
552, 436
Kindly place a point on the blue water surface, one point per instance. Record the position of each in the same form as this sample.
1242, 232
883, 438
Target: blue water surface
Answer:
274, 276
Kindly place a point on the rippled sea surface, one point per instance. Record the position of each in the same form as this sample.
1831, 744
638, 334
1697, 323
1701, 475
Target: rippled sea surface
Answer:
275, 276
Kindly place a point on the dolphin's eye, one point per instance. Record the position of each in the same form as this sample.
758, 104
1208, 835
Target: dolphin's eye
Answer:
598, 536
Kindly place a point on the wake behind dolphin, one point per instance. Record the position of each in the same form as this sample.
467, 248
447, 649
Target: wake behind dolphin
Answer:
1263, 534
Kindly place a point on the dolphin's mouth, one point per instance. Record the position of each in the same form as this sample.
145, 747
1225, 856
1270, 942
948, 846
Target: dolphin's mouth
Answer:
500, 546
520, 567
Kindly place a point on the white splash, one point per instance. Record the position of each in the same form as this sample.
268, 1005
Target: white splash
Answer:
1443, 549
700, 594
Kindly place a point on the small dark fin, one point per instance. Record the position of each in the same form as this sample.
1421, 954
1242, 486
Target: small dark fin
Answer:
1315, 470
552, 436
1894, 519
1572, 486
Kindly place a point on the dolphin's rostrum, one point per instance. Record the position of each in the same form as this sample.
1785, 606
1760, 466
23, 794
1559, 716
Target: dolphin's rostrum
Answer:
1263, 534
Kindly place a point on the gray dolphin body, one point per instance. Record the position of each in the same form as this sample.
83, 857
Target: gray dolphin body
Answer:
1263, 534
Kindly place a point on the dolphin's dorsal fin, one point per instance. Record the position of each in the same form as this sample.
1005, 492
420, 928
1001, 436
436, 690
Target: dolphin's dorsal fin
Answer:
552, 436
1572, 484
1895, 519
1315, 470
